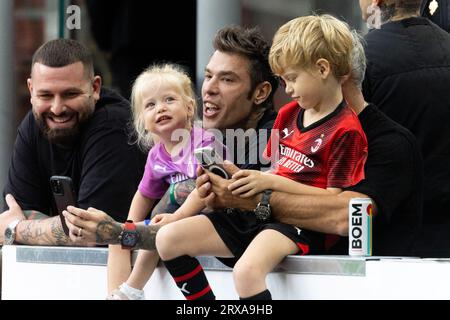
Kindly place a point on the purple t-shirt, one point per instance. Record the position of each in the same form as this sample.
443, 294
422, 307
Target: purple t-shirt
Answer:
163, 169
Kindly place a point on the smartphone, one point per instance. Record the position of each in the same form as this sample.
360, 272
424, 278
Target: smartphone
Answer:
63, 195
210, 160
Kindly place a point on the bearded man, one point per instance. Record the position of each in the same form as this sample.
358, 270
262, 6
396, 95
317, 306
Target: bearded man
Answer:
75, 129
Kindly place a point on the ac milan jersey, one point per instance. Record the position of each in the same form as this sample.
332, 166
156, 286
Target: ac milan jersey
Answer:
330, 153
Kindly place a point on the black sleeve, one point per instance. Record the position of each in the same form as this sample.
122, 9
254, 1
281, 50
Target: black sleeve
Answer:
25, 181
111, 170
390, 173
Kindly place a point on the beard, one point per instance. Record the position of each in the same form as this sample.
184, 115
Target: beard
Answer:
66, 136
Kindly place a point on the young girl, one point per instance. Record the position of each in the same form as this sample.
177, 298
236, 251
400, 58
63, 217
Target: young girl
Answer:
164, 108
322, 149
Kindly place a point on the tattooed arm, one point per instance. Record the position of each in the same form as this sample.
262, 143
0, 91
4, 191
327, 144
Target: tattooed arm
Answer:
99, 228
43, 232
181, 191
35, 228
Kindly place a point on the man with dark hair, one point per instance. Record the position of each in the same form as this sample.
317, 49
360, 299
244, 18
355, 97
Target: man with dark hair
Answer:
237, 94
238, 90
393, 181
412, 87
74, 129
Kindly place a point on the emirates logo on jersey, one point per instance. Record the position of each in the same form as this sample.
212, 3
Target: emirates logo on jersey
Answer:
318, 143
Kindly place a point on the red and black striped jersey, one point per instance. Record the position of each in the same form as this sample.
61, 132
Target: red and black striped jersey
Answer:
330, 153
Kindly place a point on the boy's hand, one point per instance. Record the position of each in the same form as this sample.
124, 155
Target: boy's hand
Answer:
248, 183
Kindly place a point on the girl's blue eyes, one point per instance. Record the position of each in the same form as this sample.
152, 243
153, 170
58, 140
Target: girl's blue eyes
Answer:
167, 100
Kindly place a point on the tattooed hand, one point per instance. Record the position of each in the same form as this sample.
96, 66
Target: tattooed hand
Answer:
91, 226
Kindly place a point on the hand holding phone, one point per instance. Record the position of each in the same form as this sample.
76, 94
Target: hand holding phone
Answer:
63, 195
210, 160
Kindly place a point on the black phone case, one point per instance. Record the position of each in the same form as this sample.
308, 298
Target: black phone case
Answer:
213, 163
64, 195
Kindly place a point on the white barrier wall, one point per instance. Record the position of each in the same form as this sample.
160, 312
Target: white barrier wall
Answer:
59, 273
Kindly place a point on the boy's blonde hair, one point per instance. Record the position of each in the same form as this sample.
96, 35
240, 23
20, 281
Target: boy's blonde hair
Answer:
302, 41
170, 74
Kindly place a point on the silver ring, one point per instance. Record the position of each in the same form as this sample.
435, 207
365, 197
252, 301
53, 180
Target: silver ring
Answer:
80, 232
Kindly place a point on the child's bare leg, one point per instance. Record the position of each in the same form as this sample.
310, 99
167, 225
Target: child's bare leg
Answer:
144, 266
263, 254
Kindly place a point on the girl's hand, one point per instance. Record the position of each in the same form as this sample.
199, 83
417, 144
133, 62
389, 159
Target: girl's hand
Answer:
164, 218
248, 183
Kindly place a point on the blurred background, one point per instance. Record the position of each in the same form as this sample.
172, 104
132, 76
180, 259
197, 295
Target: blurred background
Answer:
128, 35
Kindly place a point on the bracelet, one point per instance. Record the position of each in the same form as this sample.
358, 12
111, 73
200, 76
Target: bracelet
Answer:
172, 194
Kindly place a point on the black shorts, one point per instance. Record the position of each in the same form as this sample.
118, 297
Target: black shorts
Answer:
238, 228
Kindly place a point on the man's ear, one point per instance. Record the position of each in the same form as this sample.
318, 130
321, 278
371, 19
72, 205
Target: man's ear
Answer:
30, 85
323, 67
30, 89
262, 92
96, 86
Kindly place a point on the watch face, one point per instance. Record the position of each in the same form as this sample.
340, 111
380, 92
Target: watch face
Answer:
9, 239
129, 238
262, 213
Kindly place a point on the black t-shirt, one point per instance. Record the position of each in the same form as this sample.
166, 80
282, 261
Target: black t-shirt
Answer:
412, 87
104, 166
394, 181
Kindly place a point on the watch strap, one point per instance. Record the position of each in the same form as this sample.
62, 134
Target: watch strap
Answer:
129, 225
265, 198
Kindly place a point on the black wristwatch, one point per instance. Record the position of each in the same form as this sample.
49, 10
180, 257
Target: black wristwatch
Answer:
129, 236
262, 210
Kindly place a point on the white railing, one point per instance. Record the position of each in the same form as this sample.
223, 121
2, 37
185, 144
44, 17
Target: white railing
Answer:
80, 273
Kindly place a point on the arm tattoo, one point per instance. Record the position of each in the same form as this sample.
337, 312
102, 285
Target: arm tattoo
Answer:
108, 232
183, 189
181, 192
34, 215
58, 234
163, 205
45, 232
147, 236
